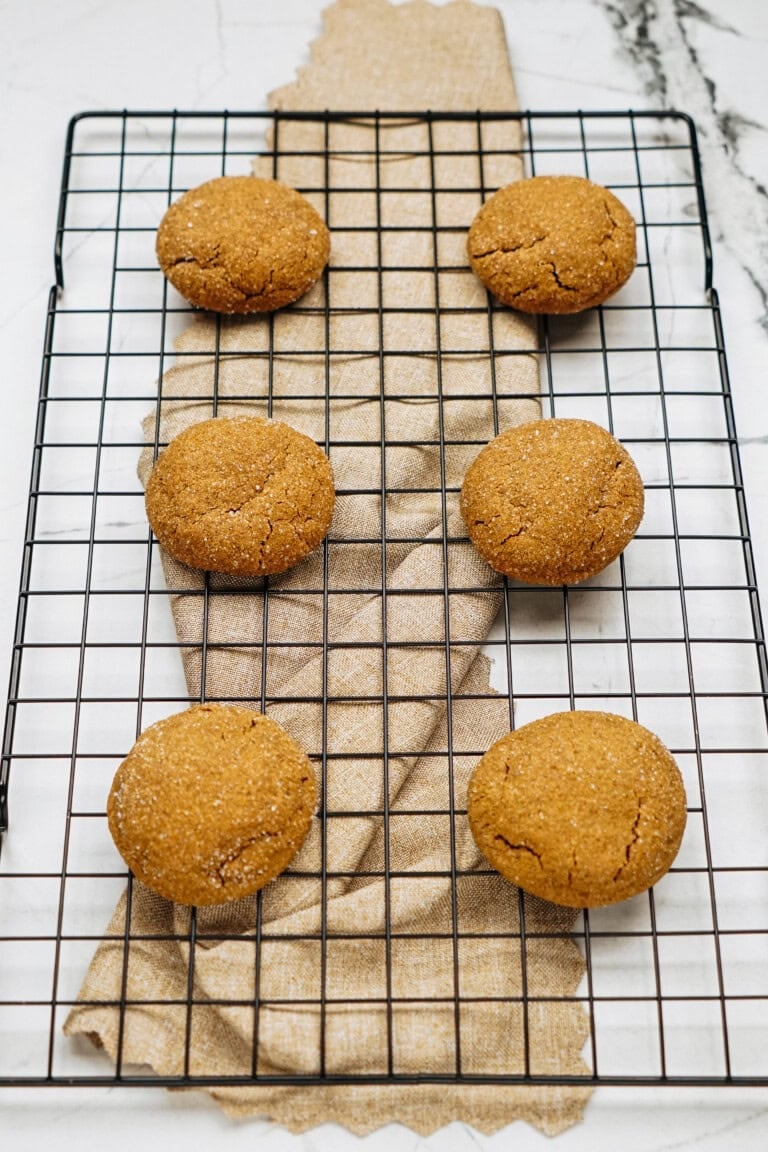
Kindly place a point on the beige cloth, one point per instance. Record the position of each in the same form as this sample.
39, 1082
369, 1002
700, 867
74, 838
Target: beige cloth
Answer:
451, 951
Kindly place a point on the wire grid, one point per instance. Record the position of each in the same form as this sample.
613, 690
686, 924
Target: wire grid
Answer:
676, 984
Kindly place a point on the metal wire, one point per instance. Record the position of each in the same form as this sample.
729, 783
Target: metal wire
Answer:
676, 983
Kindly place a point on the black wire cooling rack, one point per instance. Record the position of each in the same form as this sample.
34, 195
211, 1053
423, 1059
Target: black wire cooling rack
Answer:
676, 984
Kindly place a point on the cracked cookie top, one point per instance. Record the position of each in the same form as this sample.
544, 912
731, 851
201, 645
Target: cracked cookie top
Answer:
552, 244
552, 501
581, 808
242, 244
211, 804
241, 495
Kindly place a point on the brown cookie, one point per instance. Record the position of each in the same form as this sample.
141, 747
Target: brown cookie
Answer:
552, 501
552, 244
211, 804
241, 495
581, 808
242, 244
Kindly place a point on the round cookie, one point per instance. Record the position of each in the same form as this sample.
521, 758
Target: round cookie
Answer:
242, 244
211, 804
241, 495
552, 501
581, 808
552, 244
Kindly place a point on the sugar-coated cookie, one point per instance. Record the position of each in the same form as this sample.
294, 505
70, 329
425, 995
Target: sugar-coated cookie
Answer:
552, 501
242, 244
211, 804
581, 808
552, 244
241, 495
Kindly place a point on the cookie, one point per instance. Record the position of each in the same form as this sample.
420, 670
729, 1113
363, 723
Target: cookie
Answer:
581, 808
241, 495
242, 244
552, 501
211, 804
552, 244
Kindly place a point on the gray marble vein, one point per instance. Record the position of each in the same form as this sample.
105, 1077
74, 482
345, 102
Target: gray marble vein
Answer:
661, 40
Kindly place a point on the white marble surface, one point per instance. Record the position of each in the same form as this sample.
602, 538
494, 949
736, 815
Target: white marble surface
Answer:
708, 59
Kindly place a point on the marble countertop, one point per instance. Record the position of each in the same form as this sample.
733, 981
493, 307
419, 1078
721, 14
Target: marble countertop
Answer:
707, 59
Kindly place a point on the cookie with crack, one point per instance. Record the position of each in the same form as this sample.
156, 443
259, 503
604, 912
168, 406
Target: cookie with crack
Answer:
581, 808
242, 244
552, 244
552, 501
211, 804
241, 495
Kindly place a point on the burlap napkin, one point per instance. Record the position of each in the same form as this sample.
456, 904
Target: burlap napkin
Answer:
365, 959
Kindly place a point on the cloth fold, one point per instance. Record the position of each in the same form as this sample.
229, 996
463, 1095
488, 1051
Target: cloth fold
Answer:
387, 948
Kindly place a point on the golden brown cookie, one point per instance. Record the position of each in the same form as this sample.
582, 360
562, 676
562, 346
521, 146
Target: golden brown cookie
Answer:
241, 495
581, 808
552, 501
211, 804
552, 244
242, 244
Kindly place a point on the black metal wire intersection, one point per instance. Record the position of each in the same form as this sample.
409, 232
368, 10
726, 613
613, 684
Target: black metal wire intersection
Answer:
676, 986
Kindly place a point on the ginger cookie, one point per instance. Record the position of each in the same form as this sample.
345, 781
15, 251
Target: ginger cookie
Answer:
241, 495
211, 804
552, 501
581, 808
552, 244
242, 244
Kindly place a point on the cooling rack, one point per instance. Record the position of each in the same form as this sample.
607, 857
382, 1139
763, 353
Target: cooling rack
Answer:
676, 981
